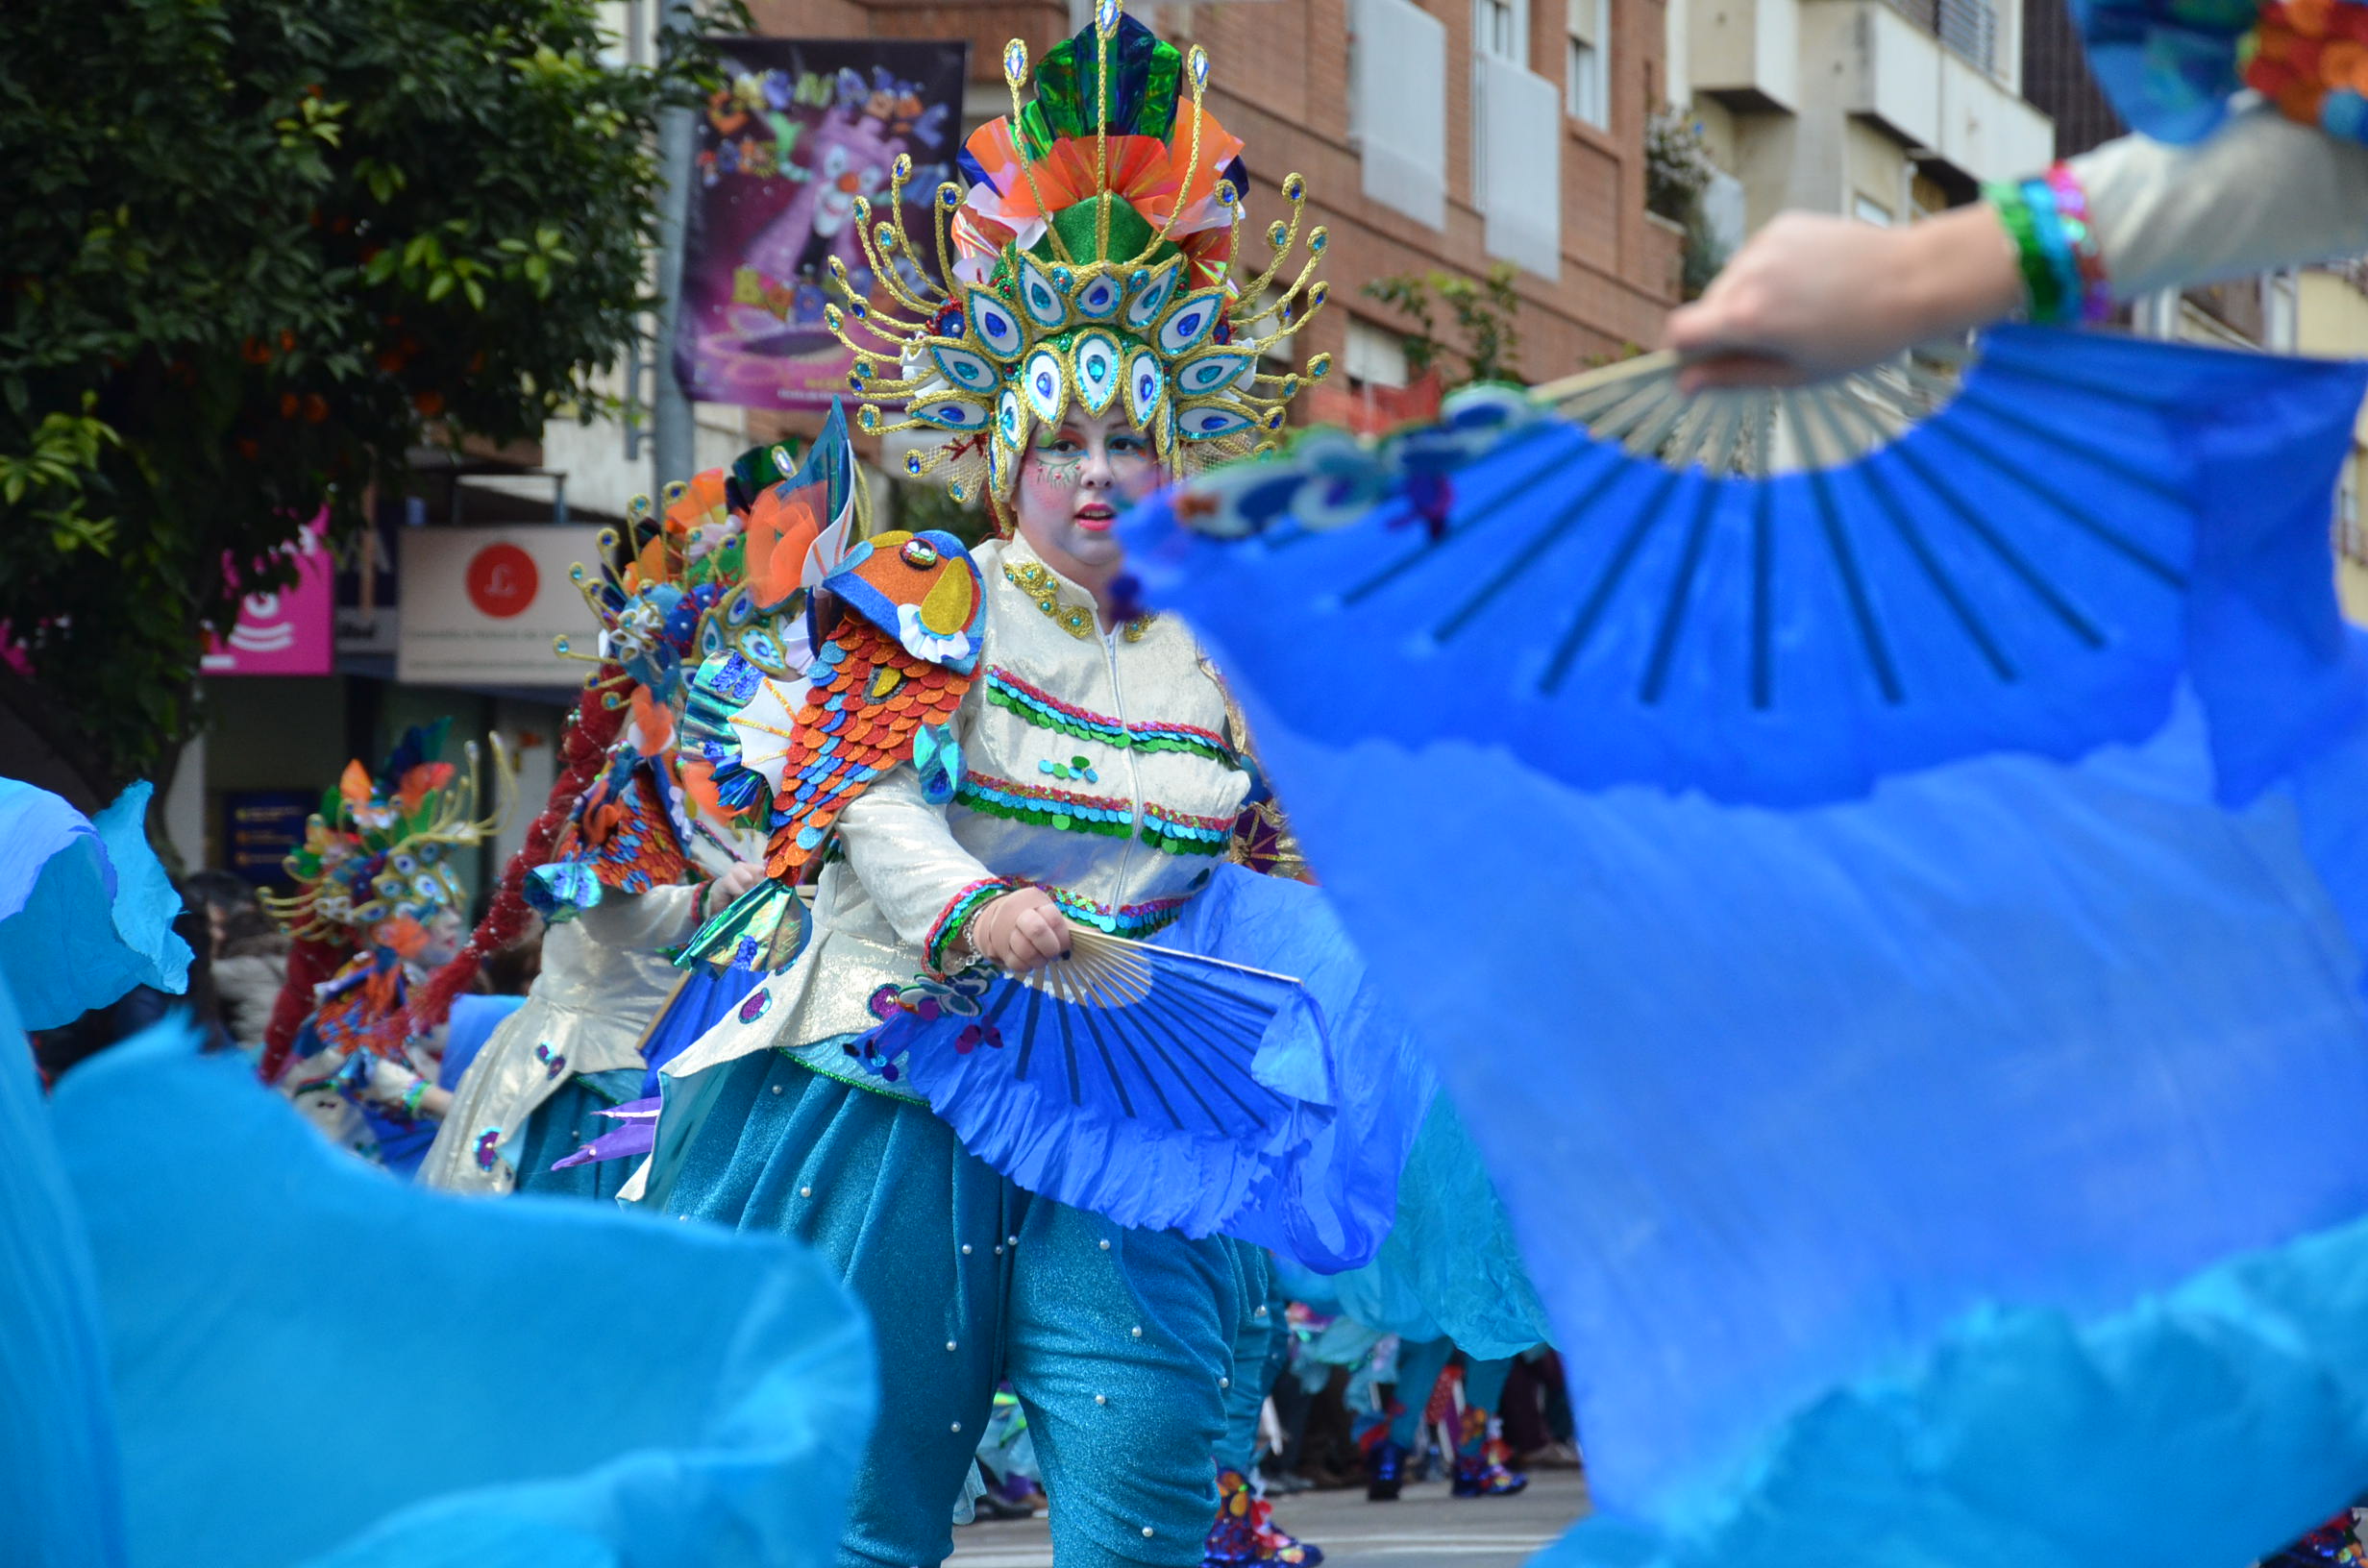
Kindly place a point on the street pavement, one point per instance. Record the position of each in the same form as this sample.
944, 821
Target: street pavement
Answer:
1425, 1529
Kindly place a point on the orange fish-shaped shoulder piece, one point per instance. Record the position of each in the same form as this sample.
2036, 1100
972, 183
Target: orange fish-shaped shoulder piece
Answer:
885, 685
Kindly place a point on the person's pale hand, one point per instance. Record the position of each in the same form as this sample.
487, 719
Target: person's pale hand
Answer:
1020, 930
724, 889
1814, 297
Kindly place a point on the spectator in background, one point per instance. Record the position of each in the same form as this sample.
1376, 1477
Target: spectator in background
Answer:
249, 954
509, 971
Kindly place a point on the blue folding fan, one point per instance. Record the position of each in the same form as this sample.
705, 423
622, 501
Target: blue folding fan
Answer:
1763, 597
1170, 1089
1891, 907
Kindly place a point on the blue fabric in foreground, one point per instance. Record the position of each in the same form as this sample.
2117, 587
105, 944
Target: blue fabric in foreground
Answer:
1897, 1076
2170, 67
86, 910
86, 914
1303, 1160
271, 1303
2191, 1428
61, 1485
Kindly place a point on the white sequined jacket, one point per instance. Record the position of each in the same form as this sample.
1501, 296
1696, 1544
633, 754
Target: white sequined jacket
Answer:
603, 981
1095, 766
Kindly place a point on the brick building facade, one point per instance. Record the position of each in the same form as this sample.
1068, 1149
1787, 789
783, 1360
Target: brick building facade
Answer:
1281, 79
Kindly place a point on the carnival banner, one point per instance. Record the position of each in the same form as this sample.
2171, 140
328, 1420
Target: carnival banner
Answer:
803, 129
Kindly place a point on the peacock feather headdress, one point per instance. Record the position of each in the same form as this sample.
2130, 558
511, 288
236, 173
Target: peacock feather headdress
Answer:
1089, 264
375, 858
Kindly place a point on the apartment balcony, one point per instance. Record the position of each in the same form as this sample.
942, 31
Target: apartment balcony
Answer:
1935, 74
1746, 54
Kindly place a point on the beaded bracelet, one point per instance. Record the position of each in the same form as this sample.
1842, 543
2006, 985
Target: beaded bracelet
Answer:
2055, 247
953, 922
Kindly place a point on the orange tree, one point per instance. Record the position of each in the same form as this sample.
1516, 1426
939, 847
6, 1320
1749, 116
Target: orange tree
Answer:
251, 252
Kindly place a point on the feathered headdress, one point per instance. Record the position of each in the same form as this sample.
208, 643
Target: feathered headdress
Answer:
375, 855
1091, 267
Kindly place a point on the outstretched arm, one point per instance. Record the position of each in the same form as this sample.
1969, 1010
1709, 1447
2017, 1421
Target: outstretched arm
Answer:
1812, 297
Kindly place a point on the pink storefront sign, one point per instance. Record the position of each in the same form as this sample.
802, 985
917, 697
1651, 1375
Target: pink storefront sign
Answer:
290, 631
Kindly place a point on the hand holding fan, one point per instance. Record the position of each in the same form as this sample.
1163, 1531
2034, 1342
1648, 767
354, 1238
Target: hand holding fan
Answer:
1167, 1088
1120, 1032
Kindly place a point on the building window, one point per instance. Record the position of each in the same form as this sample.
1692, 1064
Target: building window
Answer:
1500, 30
1376, 356
1398, 115
1969, 30
1586, 82
1517, 136
1867, 210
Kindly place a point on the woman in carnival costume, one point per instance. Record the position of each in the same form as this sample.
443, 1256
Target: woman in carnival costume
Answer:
628, 859
378, 900
990, 755
2248, 156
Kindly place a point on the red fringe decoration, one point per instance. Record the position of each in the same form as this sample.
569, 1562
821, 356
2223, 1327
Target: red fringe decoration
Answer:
308, 963
591, 729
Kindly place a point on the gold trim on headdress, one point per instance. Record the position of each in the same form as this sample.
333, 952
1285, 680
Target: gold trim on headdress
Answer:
1090, 264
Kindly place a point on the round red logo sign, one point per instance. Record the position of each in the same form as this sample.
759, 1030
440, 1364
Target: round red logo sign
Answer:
502, 580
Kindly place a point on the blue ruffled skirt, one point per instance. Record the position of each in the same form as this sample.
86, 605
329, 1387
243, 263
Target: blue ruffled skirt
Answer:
1449, 1268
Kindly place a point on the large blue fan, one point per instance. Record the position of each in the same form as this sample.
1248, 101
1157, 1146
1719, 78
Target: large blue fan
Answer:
1892, 923
1765, 599
1170, 1088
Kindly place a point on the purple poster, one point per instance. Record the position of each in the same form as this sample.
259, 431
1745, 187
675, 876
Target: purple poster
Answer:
804, 128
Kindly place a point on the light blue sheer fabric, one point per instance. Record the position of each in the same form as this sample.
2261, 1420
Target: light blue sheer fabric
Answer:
86, 914
227, 1342
1920, 1152
85, 909
297, 1306
61, 1487
1449, 1268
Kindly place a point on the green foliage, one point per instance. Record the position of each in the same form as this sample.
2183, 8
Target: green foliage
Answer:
1677, 163
1481, 311
254, 250
919, 506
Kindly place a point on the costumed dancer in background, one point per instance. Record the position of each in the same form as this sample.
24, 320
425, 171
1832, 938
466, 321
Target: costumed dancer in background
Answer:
988, 753
1448, 1280
2217, 184
377, 904
624, 864
1386, 1431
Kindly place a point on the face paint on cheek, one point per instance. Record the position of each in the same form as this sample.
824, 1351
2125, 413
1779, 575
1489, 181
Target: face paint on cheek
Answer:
1135, 476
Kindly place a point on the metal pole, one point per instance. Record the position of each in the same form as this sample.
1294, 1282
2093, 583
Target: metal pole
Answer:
673, 440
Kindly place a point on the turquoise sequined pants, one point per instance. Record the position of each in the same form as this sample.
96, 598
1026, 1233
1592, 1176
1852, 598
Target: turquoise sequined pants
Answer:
566, 1123
1261, 1343
1117, 1342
